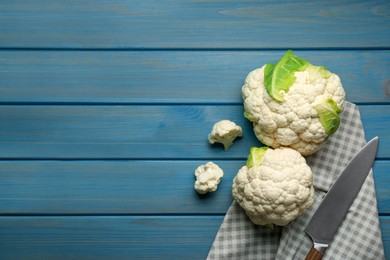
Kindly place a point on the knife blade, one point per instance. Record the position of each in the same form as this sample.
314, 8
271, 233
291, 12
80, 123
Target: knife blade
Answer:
336, 203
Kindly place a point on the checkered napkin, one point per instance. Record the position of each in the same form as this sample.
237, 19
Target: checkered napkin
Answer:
359, 236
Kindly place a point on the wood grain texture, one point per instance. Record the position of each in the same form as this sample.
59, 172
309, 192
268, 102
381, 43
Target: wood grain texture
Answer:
171, 76
125, 187
374, 124
185, 237
124, 92
115, 187
126, 132
134, 132
385, 228
107, 237
382, 183
194, 24
314, 255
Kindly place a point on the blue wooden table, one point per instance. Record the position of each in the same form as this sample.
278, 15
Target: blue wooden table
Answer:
105, 108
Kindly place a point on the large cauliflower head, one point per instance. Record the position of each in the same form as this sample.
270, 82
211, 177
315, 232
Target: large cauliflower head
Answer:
274, 187
301, 114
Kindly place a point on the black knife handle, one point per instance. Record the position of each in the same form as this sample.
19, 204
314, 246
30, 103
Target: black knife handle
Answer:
314, 254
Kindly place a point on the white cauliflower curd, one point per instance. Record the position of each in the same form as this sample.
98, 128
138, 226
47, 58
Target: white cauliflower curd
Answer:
293, 104
274, 187
225, 132
208, 176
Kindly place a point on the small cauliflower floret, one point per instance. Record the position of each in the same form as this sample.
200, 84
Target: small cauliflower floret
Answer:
275, 186
293, 104
225, 132
208, 176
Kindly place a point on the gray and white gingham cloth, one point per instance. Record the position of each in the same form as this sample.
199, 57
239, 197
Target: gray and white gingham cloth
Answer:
359, 236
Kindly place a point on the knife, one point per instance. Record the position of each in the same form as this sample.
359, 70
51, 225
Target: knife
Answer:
336, 203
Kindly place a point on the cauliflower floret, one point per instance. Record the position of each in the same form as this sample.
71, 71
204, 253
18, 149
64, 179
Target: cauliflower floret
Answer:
296, 120
225, 132
208, 176
275, 186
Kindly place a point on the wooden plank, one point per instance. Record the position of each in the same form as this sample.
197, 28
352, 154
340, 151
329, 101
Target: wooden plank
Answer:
194, 24
382, 183
160, 132
147, 132
110, 187
375, 122
107, 237
385, 228
125, 187
115, 237
171, 77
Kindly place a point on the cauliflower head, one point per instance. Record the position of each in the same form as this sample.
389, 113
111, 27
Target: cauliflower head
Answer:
208, 176
293, 104
225, 132
275, 186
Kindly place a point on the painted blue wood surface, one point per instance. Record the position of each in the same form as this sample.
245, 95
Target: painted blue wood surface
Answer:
382, 183
135, 132
105, 107
385, 222
126, 187
107, 237
194, 24
113, 237
171, 77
